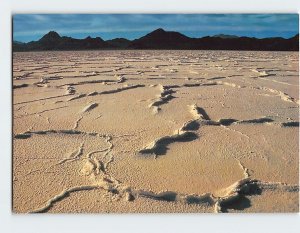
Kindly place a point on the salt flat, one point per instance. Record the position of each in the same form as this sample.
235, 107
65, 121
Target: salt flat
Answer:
155, 131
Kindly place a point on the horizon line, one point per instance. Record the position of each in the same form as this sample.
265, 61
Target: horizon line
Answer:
225, 34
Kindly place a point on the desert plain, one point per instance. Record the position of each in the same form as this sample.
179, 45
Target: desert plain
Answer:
145, 131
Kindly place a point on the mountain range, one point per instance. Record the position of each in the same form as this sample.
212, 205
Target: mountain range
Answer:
160, 39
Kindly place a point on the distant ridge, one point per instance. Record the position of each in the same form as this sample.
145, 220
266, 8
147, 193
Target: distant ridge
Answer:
224, 36
160, 39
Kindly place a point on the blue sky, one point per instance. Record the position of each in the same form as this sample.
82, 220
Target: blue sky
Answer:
28, 27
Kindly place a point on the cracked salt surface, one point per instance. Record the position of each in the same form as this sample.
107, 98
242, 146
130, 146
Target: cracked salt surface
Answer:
149, 131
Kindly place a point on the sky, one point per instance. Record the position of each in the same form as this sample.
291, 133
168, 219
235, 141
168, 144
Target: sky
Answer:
29, 27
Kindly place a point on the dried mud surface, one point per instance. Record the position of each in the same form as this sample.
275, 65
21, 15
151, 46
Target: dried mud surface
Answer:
155, 131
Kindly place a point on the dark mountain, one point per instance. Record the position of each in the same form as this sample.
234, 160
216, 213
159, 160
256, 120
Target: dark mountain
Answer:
160, 39
293, 43
50, 37
53, 41
249, 43
18, 46
18, 42
120, 43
